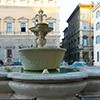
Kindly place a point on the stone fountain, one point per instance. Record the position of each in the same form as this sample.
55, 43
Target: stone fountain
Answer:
36, 59
34, 81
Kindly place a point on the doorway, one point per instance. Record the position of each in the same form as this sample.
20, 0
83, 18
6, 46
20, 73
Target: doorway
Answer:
9, 55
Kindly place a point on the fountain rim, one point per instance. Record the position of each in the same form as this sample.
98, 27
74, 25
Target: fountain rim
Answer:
48, 77
43, 48
4, 74
48, 29
93, 71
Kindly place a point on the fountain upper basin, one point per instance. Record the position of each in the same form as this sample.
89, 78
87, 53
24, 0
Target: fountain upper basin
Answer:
41, 58
41, 27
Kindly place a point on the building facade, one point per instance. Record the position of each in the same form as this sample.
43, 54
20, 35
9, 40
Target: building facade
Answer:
16, 17
96, 12
78, 36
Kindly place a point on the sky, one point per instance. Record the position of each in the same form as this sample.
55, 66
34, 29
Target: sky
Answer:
66, 9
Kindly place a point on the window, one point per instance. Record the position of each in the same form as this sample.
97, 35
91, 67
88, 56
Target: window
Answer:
9, 53
74, 42
71, 44
97, 56
85, 40
98, 26
98, 39
78, 40
23, 1
50, 25
78, 17
98, 14
86, 56
23, 27
84, 27
92, 53
23, 24
92, 15
9, 27
9, 24
92, 26
8, 0
84, 15
92, 40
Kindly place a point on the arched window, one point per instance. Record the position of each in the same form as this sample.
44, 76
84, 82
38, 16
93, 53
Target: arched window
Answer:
98, 14
85, 40
98, 39
98, 26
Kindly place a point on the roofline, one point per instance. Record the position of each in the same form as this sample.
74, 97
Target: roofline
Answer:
65, 29
77, 8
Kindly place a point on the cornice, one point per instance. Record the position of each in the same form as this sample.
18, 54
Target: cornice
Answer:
96, 7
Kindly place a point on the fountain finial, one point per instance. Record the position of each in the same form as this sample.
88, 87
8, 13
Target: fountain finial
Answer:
40, 16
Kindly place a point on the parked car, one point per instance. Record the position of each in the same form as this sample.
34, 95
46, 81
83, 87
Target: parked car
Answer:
79, 64
16, 63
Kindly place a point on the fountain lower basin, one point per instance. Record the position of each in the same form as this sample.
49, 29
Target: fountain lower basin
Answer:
93, 82
41, 58
5, 90
47, 86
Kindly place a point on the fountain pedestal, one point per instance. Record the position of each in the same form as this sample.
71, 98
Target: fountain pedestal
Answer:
40, 31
